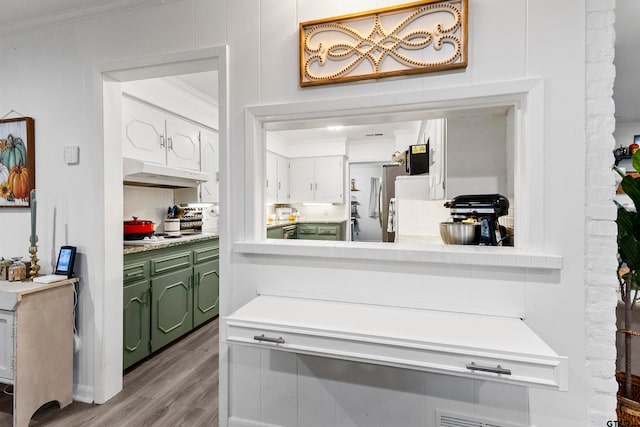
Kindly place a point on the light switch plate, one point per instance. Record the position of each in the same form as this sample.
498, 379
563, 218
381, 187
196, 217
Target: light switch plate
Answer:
71, 154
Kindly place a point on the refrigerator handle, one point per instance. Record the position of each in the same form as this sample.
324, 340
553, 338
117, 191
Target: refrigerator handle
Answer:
380, 207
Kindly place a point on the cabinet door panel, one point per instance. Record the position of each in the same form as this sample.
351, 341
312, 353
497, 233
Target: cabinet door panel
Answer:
171, 312
301, 180
283, 180
143, 132
271, 184
209, 162
183, 144
136, 323
329, 178
206, 292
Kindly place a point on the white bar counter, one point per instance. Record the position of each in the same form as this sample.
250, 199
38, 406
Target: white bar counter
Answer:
478, 346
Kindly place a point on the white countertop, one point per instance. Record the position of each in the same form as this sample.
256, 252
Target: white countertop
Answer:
11, 292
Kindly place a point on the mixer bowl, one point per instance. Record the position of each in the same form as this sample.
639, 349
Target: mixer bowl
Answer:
458, 233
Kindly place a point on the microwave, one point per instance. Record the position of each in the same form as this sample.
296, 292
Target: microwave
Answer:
417, 159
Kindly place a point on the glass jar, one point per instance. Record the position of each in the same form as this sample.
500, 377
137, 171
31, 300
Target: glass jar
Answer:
17, 270
4, 268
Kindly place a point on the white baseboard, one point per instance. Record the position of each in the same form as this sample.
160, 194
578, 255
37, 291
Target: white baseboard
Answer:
241, 422
83, 393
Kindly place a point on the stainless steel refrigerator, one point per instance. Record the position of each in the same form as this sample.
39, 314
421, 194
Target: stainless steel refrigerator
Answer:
387, 192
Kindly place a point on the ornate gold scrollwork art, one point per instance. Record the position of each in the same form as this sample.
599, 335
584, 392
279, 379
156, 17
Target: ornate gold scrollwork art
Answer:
412, 38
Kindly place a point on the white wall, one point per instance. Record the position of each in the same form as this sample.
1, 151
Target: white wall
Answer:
477, 156
531, 41
55, 78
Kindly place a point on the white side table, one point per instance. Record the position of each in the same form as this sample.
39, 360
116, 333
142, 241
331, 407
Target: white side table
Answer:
36, 344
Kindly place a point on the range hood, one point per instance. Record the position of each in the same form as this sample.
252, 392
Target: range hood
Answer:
139, 172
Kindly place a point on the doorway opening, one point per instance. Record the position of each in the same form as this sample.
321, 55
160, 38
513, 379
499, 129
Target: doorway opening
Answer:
201, 70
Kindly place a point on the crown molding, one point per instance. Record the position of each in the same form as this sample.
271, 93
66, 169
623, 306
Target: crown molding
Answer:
71, 15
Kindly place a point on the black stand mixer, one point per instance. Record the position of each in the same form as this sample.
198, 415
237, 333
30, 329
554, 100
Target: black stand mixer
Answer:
485, 209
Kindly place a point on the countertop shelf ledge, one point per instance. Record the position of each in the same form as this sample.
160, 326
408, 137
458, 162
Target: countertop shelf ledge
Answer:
506, 257
476, 346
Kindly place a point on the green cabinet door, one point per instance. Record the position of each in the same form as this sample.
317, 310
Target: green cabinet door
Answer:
172, 308
206, 291
275, 233
136, 322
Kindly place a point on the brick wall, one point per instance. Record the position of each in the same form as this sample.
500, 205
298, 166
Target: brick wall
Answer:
601, 248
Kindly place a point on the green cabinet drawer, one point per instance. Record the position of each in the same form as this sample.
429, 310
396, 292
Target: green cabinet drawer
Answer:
307, 231
328, 232
135, 271
205, 254
170, 262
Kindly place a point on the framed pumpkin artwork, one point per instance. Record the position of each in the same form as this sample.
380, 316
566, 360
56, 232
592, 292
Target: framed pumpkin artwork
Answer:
17, 162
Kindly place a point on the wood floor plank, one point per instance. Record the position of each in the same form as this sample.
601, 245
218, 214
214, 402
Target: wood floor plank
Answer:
178, 386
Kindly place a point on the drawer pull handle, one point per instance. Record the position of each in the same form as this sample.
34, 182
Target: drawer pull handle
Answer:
497, 370
278, 340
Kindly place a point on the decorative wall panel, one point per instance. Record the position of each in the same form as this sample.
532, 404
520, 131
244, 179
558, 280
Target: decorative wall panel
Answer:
413, 38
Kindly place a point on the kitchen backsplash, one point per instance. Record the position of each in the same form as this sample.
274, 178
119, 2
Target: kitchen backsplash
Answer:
151, 203
315, 212
147, 203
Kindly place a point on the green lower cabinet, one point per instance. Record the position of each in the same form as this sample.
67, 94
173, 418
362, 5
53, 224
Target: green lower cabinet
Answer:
172, 308
167, 292
136, 323
275, 233
313, 231
206, 291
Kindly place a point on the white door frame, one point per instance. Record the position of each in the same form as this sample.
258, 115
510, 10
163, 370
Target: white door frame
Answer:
107, 362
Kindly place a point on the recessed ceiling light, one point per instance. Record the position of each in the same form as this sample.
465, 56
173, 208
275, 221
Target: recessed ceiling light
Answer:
334, 128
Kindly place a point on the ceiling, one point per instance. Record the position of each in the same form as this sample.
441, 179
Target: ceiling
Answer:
16, 14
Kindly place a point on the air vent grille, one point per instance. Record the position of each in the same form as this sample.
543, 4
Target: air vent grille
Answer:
448, 419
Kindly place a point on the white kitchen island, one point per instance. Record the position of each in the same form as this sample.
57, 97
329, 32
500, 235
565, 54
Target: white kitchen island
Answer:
36, 336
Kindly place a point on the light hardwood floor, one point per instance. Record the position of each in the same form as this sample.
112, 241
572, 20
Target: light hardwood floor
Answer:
176, 387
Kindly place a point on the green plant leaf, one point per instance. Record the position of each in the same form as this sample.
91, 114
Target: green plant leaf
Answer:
631, 186
629, 249
635, 160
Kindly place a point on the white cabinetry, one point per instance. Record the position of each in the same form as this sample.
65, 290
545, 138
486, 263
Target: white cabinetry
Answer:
277, 183
7, 351
36, 344
317, 179
156, 136
210, 161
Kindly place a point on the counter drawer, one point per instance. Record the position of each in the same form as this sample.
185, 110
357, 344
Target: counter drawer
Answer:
529, 372
171, 262
467, 345
206, 254
307, 230
328, 230
135, 271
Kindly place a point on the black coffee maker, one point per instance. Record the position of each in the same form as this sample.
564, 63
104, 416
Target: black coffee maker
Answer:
484, 209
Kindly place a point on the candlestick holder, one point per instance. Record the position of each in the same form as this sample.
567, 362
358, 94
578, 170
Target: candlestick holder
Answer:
35, 268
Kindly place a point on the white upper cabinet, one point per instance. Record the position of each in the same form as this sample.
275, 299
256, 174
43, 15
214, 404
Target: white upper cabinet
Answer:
210, 161
157, 136
143, 133
271, 184
277, 182
183, 143
319, 179
283, 180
